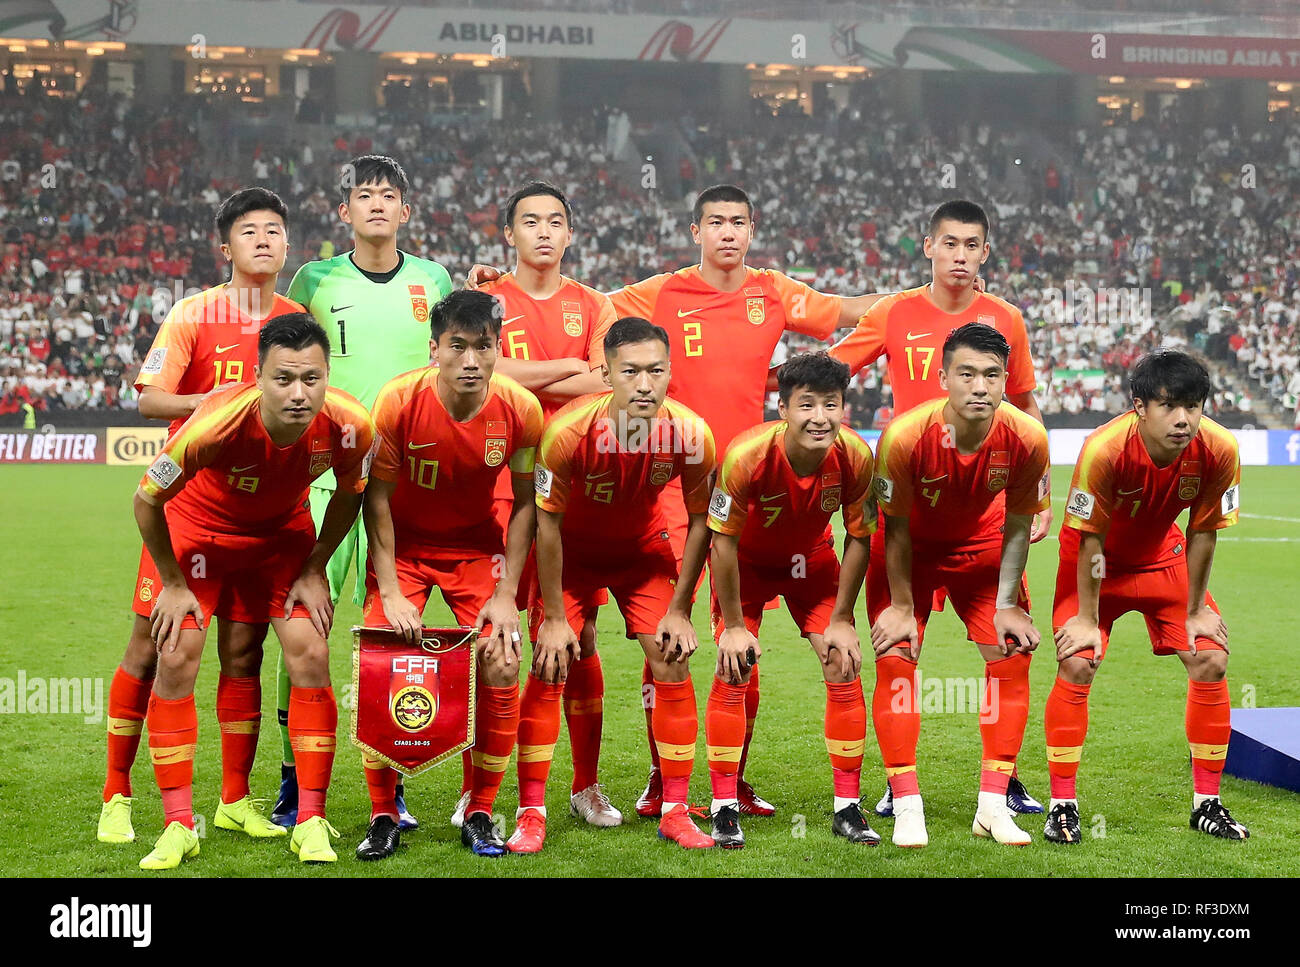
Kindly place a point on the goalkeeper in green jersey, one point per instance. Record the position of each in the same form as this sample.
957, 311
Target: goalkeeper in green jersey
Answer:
374, 303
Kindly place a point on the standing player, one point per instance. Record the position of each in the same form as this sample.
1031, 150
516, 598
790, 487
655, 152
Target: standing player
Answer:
222, 512
1121, 551
770, 512
373, 302
552, 337
940, 470
207, 341
603, 465
431, 523
909, 328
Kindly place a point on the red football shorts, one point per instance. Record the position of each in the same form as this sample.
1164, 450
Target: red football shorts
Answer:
642, 581
1159, 596
969, 577
809, 591
878, 538
466, 585
238, 578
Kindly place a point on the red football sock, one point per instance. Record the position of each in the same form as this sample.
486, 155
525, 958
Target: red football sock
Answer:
539, 727
466, 771
1209, 726
676, 727
313, 722
173, 734
896, 715
751, 713
647, 703
846, 735
128, 702
496, 723
381, 783
584, 712
724, 732
1003, 717
239, 716
1066, 724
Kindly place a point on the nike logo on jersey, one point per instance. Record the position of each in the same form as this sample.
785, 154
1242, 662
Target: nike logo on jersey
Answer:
242, 469
1125, 493
340, 308
773, 497
916, 335
223, 349
421, 446
510, 320
681, 314
925, 480
597, 476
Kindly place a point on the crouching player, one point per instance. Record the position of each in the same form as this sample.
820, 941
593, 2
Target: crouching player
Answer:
939, 470
778, 487
223, 514
603, 463
446, 432
1122, 551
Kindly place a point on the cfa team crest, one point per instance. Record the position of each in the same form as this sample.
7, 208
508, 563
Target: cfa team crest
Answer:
320, 462
998, 478
830, 499
1188, 487
413, 708
146, 589
572, 318
660, 473
755, 312
495, 454
419, 304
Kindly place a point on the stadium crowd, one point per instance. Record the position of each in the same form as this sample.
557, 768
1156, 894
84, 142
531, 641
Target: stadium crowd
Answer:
1139, 235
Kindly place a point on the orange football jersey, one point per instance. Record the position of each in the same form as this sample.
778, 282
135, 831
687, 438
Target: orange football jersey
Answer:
446, 472
777, 513
1118, 491
721, 343
952, 499
224, 475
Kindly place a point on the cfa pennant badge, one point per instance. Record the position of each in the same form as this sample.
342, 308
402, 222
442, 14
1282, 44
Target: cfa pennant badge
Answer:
495, 453
754, 310
414, 703
830, 499
998, 478
1188, 487
572, 312
660, 472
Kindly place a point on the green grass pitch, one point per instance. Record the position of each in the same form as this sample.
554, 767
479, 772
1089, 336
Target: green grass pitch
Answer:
72, 553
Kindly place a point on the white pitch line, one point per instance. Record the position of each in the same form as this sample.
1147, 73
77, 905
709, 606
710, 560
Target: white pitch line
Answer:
1286, 520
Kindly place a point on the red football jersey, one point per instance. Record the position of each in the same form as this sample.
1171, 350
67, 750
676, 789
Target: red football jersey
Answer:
910, 329
777, 513
1118, 491
721, 343
607, 481
224, 475
446, 472
206, 340
950, 498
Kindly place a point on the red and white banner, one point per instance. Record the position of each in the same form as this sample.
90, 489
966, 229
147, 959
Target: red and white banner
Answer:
413, 704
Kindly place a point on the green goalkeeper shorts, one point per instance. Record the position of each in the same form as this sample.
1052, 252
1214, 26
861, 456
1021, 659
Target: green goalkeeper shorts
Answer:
348, 562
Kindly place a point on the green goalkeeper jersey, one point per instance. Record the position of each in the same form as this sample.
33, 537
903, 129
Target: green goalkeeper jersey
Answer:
378, 324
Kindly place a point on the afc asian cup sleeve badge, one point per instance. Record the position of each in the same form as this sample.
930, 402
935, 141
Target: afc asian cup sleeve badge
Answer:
413, 708
998, 477
1188, 487
755, 312
495, 453
830, 499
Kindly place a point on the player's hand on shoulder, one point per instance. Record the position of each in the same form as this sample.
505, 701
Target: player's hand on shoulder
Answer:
893, 626
843, 648
403, 617
312, 591
556, 646
1015, 625
171, 606
676, 637
734, 646
1205, 623
1076, 635
480, 274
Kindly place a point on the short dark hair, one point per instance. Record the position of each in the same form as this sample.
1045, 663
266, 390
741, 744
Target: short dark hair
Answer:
244, 201
372, 169
960, 210
536, 188
633, 329
979, 336
292, 330
720, 193
819, 372
467, 310
1172, 375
